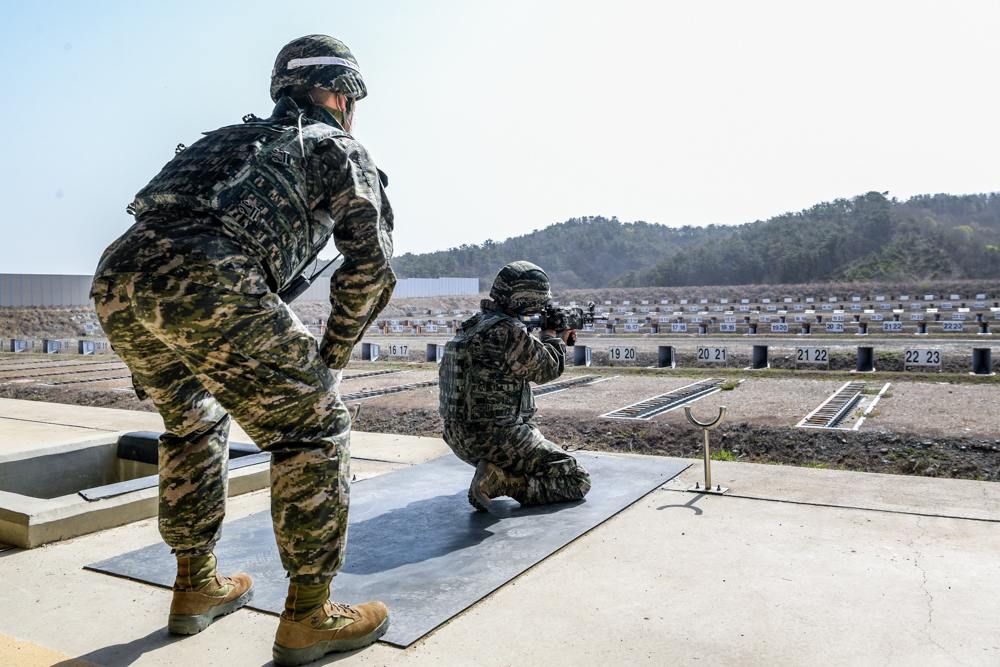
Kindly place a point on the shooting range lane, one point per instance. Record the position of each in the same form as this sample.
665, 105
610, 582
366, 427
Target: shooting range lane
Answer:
417, 545
378, 382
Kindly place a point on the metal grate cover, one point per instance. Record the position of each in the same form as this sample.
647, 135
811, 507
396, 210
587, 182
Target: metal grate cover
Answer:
56, 384
833, 410
657, 405
26, 365
369, 374
556, 387
361, 395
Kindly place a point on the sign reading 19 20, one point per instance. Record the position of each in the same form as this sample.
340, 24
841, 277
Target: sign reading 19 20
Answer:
617, 353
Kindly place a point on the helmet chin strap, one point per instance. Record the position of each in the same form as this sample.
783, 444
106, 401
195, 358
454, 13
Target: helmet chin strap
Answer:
341, 116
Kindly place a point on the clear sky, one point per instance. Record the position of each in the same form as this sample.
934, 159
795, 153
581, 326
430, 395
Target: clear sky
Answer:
496, 118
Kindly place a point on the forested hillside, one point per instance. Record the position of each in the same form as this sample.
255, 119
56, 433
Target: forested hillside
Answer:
581, 252
867, 238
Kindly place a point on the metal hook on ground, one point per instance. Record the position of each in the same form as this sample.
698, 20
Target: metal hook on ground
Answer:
705, 428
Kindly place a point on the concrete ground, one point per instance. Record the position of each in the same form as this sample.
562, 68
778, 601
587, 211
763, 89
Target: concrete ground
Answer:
794, 566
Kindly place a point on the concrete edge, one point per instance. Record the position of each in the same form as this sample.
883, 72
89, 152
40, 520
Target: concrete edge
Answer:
61, 446
32, 522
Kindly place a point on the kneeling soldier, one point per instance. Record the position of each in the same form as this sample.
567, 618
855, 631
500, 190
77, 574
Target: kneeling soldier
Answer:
486, 400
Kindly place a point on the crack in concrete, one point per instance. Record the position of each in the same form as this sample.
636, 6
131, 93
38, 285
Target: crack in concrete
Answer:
927, 593
38, 421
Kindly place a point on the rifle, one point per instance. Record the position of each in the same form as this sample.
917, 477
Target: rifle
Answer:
301, 284
564, 318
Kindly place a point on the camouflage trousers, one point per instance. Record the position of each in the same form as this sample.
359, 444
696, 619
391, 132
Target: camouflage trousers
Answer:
202, 353
552, 475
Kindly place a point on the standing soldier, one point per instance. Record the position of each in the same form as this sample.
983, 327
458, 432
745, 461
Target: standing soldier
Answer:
486, 401
190, 298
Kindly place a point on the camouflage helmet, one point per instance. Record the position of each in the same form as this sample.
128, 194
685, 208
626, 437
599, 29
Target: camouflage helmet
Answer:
521, 286
317, 61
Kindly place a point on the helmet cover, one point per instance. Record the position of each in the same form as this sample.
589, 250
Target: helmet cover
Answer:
317, 61
521, 286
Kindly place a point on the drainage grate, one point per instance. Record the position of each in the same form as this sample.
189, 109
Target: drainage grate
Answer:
56, 384
26, 366
833, 410
369, 374
361, 395
657, 405
39, 375
556, 387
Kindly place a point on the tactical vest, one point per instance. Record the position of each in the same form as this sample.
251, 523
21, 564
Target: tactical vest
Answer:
472, 388
252, 177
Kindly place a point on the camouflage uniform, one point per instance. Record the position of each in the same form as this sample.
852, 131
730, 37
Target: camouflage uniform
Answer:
187, 296
486, 403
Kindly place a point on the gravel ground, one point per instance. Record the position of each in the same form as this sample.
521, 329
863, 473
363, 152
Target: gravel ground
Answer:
923, 428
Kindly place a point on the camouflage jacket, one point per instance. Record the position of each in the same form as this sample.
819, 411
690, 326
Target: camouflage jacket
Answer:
487, 366
337, 193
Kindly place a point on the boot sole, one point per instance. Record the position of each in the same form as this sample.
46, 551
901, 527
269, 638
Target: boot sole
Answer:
476, 499
292, 657
181, 624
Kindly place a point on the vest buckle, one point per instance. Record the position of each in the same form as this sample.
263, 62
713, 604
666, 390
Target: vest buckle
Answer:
284, 158
250, 210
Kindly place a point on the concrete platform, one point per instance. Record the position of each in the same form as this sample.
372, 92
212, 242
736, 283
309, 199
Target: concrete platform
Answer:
795, 566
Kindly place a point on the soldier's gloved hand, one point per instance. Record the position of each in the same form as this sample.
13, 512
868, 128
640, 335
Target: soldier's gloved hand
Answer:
337, 377
569, 337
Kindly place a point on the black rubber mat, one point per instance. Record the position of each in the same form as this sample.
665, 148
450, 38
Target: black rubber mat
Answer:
416, 544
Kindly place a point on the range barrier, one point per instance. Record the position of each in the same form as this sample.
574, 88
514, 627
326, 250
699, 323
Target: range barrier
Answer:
866, 360
982, 363
435, 352
760, 359
666, 357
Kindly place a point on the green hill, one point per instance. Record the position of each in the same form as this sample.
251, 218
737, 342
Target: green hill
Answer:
866, 238
579, 253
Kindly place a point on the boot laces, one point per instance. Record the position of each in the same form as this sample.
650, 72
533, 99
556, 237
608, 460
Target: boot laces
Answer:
342, 609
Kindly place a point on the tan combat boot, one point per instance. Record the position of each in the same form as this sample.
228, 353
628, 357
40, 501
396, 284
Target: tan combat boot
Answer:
191, 611
491, 481
333, 628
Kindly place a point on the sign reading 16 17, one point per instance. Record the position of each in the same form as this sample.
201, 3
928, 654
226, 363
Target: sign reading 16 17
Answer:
616, 353
397, 350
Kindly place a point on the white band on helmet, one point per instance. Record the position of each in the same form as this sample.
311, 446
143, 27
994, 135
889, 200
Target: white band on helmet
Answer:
322, 60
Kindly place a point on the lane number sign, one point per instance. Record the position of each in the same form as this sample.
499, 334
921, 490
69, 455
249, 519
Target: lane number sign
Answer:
812, 355
397, 349
712, 355
618, 353
923, 357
